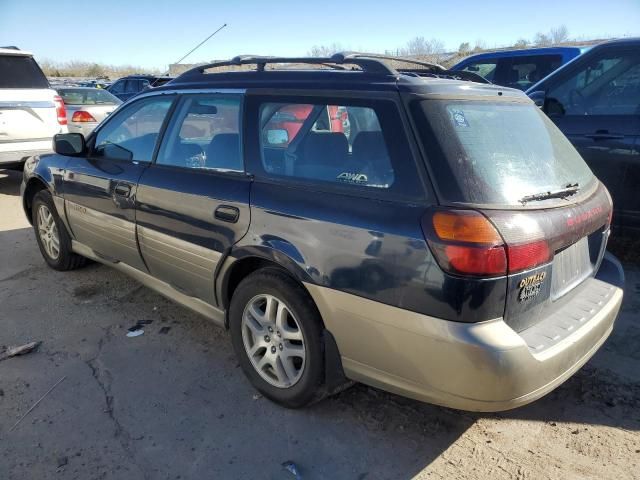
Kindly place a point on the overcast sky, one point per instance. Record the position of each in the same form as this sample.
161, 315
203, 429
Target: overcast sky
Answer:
155, 33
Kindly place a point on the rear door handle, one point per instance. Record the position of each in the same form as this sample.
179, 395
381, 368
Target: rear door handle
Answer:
227, 213
604, 135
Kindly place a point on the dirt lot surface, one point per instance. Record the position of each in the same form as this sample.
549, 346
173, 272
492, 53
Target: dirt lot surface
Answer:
173, 404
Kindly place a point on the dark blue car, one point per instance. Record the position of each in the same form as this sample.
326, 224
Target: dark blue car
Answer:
518, 68
404, 228
595, 101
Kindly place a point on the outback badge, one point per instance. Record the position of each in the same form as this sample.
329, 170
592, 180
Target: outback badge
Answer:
530, 286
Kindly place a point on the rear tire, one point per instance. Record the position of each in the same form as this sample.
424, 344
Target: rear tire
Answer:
276, 332
52, 236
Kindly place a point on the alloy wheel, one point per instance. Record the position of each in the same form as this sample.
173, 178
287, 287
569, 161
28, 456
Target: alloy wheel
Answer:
273, 340
48, 232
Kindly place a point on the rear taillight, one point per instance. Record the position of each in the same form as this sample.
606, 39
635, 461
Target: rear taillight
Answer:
61, 112
82, 116
465, 242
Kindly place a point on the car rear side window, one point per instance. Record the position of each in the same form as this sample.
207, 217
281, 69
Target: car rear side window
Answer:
132, 133
205, 133
486, 152
485, 68
328, 143
522, 72
19, 71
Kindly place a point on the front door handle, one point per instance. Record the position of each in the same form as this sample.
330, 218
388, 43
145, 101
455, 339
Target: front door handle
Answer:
227, 213
122, 190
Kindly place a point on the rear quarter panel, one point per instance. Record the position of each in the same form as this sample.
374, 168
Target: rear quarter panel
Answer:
367, 247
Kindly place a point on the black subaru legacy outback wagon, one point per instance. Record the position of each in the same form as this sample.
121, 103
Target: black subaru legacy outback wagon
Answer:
405, 228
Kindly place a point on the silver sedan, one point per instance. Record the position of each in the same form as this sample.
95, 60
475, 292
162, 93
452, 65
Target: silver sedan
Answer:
87, 107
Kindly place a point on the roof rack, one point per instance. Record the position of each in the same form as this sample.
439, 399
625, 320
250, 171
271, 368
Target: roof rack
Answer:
453, 74
367, 62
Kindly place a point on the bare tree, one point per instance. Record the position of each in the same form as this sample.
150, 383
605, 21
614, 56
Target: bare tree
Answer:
77, 68
325, 50
480, 45
542, 40
521, 43
559, 34
464, 48
431, 50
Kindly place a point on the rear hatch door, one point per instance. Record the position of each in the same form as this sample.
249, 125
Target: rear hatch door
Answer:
27, 109
493, 151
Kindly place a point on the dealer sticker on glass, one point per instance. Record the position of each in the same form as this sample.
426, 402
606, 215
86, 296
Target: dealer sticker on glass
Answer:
459, 118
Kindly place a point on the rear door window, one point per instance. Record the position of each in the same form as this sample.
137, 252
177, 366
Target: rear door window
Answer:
19, 71
358, 145
327, 143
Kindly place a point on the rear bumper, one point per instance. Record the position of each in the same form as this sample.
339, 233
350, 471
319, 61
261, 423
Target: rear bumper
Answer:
18, 151
480, 367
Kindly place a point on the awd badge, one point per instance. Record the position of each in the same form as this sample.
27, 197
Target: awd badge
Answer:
530, 286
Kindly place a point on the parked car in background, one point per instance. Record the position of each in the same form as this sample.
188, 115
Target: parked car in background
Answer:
518, 68
595, 101
31, 113
358, 246
127, 87
87, 107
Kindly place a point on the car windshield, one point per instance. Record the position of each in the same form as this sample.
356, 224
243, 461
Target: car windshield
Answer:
18, 71
87, 96
484, 152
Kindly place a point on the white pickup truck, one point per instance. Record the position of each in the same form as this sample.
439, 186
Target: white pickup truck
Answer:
31, 113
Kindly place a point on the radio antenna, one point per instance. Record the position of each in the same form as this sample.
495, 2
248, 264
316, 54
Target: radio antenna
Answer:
199, 45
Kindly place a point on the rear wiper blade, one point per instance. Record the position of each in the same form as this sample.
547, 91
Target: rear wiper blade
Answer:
568, 190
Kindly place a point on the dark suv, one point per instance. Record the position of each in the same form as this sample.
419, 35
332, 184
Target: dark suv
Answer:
595, 102
128, 87
430, 236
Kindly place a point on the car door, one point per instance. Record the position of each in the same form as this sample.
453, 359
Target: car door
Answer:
193, 202
596, 104
100, 190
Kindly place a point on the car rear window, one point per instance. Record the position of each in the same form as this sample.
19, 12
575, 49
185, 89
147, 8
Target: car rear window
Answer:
484, 152
83, 96
18, 71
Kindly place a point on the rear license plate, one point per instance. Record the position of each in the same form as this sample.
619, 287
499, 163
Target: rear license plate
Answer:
570, 267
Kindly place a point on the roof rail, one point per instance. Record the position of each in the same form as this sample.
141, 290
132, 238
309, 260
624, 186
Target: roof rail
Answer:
377, 56
336, 61
367, 62
452, 74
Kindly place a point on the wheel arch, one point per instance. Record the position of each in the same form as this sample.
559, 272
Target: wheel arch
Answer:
243, 262
34, 185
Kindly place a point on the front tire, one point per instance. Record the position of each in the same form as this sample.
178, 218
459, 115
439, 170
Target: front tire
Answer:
276, 333
53, 240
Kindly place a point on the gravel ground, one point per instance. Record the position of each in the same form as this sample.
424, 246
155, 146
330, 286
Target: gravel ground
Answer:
173, 403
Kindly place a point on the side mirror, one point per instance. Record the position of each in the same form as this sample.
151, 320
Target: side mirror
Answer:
69, 144
277, 138
538, 97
